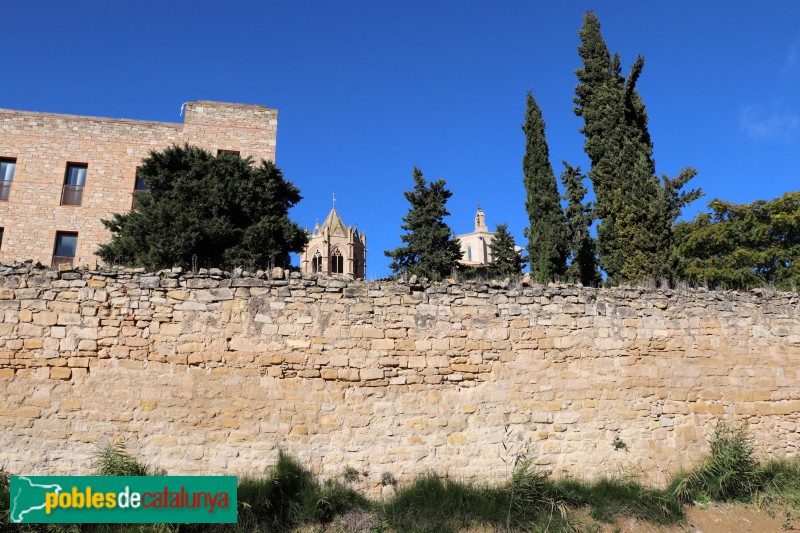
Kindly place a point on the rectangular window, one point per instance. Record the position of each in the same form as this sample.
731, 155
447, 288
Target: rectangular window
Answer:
1, 238
140, 185
230, 152
7, 166
74, 181
66, 245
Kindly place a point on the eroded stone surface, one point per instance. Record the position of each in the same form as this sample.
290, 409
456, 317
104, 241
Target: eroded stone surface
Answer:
199, 377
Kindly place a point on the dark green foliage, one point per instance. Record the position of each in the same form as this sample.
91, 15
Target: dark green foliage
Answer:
225, 210
581, 245
430, 250
730, 473
636, 212
743, 245
291, 496
506, 260
547, 241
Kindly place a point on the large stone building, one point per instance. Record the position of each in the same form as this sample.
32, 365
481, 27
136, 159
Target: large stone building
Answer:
334, 248
476, 247
61, 174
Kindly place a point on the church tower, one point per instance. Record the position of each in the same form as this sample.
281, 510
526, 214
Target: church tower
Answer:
335, 249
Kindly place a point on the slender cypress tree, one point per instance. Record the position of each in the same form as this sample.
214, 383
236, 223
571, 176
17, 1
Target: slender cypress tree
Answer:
547, 250
506, 260
583, 266
430, 249
631, 203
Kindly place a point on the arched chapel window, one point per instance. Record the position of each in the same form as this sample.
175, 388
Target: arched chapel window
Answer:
469, 253
316, 263
337, 262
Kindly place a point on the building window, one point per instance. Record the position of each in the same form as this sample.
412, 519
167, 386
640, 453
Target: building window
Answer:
469, 253
66, 244
337, 263
7, 166
229, 152
316, 263
74, 181
140, 185
1, 238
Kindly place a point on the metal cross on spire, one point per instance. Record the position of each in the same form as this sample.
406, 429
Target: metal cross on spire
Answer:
334, 200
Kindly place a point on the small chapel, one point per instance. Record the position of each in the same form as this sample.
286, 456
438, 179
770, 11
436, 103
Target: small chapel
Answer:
335, 249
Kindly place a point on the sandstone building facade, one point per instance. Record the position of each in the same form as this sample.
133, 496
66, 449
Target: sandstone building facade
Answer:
334, 248
476, 247
61, 174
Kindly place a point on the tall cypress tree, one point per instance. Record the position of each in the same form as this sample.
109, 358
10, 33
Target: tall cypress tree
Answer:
547, 250
583, 266
630, 199
430, 249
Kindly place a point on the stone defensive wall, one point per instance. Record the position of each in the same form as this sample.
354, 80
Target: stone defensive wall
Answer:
213, 373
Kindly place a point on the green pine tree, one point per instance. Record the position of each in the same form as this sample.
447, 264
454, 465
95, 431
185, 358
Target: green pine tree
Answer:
547, 250
225, 210
743, 245
506, 260
430, 250
632, 239
583, 266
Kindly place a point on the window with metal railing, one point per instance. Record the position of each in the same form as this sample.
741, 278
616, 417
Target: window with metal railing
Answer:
7, 167
74, 182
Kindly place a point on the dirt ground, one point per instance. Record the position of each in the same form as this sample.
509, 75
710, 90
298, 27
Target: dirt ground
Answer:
717, 518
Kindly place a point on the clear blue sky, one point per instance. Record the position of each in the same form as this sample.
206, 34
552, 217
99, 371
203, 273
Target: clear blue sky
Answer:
366, 90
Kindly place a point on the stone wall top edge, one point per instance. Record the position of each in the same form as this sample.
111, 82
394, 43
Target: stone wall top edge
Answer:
238, 277
84, 118
233, 104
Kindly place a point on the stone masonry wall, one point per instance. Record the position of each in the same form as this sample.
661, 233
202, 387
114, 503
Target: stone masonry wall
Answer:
210, 373
44, 143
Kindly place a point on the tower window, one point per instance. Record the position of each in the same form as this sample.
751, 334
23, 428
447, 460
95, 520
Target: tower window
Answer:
337, 262
316, 263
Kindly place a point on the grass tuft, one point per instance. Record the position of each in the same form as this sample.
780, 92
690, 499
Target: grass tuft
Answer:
114, 460
730, 473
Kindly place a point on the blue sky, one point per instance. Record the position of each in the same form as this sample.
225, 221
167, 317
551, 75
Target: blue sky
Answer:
366, 90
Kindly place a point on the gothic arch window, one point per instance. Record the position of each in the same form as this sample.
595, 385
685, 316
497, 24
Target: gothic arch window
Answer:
316, 263
469, 253
337, 262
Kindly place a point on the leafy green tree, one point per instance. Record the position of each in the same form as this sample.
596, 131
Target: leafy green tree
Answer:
225, 210
743, 245
633, 238
506, 260
430, 250
547, 250
583, 265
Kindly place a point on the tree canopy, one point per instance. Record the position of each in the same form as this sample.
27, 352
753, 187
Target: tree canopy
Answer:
743, 245
506, 260
430, 250
583, 265
547, 250
224, 209
636, 211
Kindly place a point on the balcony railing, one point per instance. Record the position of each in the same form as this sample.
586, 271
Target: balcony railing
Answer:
72, 195
5, 189
59, 260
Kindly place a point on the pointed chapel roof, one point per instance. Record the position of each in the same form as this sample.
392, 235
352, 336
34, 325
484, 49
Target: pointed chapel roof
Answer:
335, 224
